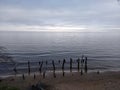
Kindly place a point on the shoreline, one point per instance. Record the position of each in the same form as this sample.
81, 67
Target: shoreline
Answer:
57, 71
71, 81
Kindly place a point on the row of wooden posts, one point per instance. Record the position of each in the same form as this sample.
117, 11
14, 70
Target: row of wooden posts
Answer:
81, 65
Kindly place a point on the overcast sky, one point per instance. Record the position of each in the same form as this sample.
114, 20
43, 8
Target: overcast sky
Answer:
59, 15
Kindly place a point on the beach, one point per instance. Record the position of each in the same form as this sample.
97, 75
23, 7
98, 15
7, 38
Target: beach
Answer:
59, 45
71, 81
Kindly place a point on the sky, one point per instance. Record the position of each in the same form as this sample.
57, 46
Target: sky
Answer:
60, 15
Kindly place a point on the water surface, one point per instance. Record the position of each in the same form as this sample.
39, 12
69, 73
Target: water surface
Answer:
101, 48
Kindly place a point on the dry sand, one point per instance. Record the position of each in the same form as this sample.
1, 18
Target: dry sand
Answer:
71, 81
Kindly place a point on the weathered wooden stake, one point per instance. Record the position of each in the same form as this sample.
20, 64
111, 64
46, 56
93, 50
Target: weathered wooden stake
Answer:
78, 61
86, 65
23, 77
15, 70
46, 65
82, 61
63, 73
29, 67
44, 74
34, 76
40, 69
63, 66
70, 64
81, 72
39, 65
53, 65
54, 74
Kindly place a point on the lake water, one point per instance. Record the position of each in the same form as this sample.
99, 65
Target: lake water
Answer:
102, 49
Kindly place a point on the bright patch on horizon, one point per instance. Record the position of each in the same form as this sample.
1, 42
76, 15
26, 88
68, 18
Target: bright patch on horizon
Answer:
42, 28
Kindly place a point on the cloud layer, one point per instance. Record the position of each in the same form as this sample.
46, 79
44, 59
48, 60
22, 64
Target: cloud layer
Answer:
59, 15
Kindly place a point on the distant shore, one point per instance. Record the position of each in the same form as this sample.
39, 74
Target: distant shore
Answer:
71, 81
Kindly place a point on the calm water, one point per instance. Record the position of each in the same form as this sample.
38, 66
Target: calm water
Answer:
102, 49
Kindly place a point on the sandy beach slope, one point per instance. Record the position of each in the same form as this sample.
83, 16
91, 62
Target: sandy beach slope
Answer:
71, 81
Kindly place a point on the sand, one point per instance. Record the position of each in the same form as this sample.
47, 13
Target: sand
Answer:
71, 81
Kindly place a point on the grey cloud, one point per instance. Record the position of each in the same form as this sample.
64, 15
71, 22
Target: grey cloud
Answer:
76, 12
